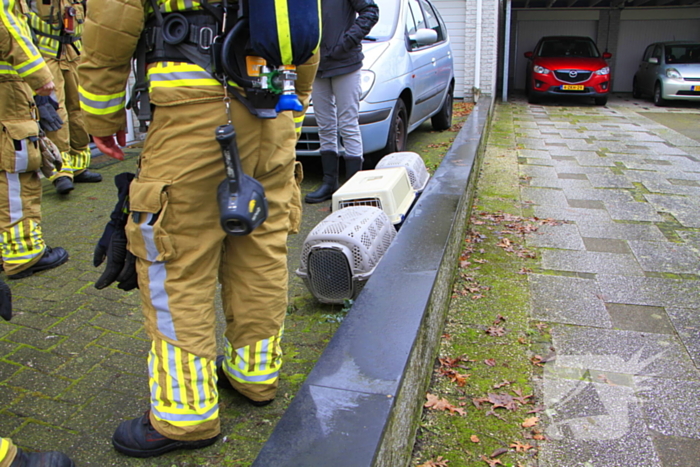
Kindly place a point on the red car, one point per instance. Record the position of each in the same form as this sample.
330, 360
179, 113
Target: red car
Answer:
567, 66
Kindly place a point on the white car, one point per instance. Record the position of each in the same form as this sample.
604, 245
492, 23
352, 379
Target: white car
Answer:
669, 71
407, 78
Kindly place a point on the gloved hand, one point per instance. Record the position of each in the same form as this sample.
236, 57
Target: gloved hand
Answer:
121, 264
51, 160
5, 301
48, 117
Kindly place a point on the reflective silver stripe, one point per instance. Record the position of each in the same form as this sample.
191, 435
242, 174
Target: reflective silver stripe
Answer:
156, 77
102, 105
6, 68
264, 353
22, 157
178, 417
253, 379
14, 187
156, 278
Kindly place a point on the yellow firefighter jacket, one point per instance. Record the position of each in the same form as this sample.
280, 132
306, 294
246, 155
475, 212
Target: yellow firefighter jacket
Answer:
105, 68
58, 27
19, 58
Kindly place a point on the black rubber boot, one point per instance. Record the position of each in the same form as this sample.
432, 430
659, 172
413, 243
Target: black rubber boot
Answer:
41, 459
329, 160
138, 438
352, 166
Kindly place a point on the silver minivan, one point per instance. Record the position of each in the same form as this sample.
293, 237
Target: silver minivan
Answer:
407, 78
669, 71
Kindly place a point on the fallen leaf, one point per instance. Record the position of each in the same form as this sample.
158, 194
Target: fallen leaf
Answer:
521, 447
491, 462
530, 422
498, 452
474, 439
439, 462
495, 331
490, 362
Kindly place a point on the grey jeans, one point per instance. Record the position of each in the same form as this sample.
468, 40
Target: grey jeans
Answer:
336, 103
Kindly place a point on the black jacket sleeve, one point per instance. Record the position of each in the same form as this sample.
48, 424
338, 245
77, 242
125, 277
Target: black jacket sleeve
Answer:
367, 16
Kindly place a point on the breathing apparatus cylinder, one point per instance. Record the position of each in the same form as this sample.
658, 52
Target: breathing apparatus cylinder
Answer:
284, 34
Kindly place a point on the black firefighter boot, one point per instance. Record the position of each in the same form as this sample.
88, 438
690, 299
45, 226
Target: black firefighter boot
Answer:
352, 166
329, 160
41, 459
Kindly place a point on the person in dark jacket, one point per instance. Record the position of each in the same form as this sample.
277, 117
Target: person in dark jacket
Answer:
336, 90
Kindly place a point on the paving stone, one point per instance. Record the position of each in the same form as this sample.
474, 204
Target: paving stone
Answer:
590, 262
609, 181
569, 300
564, 236
652, 291
676, 451
685, 321
542, 196
632, 211
639, 318
582, 216
42, 361
606, 245
49, 411
36, 381
682, 208
666, 257
594, 425
621, 231
619, 351
668, 403
572, 176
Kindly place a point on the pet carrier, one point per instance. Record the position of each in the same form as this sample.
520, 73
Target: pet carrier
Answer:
341, 252
417, 172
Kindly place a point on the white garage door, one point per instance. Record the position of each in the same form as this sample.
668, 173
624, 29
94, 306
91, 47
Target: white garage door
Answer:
635, 35
453, 13
528, 32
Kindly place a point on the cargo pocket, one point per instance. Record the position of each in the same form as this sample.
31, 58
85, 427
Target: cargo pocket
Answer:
19, 151
148, 211
295, 204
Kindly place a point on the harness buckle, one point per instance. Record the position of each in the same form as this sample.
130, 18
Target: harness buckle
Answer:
206, 38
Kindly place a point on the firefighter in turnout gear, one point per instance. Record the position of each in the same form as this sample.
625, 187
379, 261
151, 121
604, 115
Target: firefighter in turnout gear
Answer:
23, 73
57, 26
173, 227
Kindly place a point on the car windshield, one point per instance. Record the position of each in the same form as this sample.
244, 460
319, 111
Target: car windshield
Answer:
568, 47
683, 53
384, 29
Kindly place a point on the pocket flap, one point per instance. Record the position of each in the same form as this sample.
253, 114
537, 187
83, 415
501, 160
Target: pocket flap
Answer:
21, 129
146, 195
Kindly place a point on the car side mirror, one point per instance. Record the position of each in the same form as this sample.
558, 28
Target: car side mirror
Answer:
528, 54
424, 37
654, 60
607, 55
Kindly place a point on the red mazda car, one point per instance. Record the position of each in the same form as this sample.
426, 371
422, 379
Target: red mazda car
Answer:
567, 66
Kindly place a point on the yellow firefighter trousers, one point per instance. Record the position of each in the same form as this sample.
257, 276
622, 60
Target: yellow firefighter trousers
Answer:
8, 451
72, 138
22, 243
181, 249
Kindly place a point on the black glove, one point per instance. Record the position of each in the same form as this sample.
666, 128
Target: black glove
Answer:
48, 117
121, 264
5, 301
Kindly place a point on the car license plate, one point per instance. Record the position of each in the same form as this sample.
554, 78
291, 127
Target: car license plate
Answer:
572, 87
695, 88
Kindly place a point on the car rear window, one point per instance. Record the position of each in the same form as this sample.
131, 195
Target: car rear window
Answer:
568, 47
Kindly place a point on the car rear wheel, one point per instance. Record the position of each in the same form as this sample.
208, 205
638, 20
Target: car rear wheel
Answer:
443, 119
659, 101
636, 92
601, 100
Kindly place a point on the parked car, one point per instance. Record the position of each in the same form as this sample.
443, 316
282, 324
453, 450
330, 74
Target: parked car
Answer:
669, 71
567, 66
407, 78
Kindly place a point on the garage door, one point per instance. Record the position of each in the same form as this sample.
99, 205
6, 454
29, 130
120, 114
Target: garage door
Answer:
635, 35
528, 32
453, 13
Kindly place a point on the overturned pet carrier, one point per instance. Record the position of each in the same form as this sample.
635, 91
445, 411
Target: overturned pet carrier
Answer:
341, 252
417, 172
387, 189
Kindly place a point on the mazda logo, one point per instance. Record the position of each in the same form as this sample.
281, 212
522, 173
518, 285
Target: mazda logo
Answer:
573, 73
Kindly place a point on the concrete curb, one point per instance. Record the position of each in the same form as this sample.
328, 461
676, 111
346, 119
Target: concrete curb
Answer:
361, 403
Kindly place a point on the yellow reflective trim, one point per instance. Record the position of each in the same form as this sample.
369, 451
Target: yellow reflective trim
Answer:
196, 399
100, 97
168, 379
180, 377
284, 34
184, 82
153, 363
21, 33
4, 448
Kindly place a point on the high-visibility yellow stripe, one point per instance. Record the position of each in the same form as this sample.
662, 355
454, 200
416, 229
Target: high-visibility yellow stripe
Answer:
18, 28
4, 448
284, 34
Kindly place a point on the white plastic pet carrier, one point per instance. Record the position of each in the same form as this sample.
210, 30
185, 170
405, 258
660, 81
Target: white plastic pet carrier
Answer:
387, 189
417, 172
341, 252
